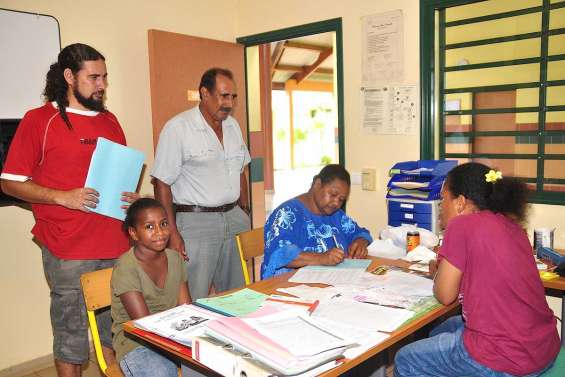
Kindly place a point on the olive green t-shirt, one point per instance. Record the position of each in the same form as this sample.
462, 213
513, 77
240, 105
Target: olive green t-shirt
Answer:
128, 276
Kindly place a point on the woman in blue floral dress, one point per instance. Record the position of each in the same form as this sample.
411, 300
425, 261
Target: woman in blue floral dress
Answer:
312, 229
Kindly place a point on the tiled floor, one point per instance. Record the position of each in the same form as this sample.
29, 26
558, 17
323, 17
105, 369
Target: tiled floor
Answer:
89, 370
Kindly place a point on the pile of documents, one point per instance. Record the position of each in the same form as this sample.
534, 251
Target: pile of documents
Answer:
420, 179
256, 334
180, 324
288, 342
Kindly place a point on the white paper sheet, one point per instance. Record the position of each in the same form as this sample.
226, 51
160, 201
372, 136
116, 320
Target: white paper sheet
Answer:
364, 339
299, 334
382, 48
180, 323
403, 284
367, 316
390, 110
327, 276
307, 292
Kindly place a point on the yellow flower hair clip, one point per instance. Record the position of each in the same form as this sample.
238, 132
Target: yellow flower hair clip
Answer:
492, 176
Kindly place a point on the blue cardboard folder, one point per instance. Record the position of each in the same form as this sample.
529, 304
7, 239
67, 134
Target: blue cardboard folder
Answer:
114, 168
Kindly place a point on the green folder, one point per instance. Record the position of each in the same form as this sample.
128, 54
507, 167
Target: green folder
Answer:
237, 304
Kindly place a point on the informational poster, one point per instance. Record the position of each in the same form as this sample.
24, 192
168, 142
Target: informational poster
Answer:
390, 110
376, 112
383, 46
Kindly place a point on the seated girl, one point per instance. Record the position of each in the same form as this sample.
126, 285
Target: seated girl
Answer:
486, 261
147, 279
312, 229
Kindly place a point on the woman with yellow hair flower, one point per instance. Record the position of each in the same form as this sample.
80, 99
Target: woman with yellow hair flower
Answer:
506, 327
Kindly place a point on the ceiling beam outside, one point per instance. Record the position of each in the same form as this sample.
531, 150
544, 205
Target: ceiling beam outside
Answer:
276, 56
308, 70
298, 68
277, 85
306, 46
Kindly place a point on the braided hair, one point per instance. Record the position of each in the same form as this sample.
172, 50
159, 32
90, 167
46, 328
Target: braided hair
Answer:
506, 195
56, 87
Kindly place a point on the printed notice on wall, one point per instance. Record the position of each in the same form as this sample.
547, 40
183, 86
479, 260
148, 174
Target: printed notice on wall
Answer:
383, 45
390, 110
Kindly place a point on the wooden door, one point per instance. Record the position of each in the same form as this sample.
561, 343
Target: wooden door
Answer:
176, 64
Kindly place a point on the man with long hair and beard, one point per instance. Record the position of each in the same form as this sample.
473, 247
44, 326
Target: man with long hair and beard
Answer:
47, 166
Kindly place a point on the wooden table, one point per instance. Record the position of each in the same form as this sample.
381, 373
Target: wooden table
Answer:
269, 286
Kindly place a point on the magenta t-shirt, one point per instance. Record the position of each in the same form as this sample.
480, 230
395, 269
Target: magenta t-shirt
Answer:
508, 324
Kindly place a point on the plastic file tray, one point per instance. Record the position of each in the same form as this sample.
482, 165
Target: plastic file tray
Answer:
420, 213
409, 216
398, 205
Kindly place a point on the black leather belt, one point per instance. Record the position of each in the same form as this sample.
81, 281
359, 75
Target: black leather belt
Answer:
195, 208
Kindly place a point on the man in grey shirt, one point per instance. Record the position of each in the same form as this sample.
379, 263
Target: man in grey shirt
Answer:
200, 178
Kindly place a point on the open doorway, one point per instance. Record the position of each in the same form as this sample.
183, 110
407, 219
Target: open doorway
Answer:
304, 114
295, 107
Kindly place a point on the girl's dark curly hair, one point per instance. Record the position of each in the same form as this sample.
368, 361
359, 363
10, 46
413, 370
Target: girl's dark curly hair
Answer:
507, 195
135, 209
56, 86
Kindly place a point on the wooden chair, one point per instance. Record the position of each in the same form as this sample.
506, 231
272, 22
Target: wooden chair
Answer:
97, 295
250, 244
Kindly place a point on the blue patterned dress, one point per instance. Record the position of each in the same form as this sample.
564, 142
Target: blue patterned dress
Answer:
292, 229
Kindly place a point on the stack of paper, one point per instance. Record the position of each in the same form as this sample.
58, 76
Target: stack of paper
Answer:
229, 362
362, 315
288, 342
180, 324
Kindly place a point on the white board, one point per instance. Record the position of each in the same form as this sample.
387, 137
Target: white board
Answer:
29, 44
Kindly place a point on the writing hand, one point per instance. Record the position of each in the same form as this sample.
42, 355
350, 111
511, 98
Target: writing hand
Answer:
358, 249
332, 257
129, 197
177, 243
81, 199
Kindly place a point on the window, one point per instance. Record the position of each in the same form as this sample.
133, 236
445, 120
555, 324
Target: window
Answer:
493, 88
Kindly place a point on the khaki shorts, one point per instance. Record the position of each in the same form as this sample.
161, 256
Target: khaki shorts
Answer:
68, 312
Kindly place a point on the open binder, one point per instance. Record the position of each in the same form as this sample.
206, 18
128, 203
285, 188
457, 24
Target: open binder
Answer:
268, 340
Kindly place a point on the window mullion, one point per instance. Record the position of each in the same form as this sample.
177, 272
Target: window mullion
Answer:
542, 94
441, 83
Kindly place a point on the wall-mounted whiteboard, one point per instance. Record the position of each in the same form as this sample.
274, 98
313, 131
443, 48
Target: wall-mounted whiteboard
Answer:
29, 44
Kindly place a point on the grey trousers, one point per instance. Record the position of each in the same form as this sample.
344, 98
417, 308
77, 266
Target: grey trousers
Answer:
209, 239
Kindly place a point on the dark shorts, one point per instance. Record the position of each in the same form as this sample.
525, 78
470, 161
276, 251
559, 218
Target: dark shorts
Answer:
68, 312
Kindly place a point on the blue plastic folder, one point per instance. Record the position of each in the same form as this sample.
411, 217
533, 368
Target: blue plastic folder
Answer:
114, 168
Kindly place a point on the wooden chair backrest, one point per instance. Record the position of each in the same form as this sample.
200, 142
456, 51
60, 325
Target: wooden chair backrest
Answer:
252, 243
96, 288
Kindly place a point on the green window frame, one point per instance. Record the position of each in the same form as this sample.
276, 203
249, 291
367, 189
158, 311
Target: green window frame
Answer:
433, 47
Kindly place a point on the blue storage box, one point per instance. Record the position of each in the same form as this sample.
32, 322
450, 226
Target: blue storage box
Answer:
421, 213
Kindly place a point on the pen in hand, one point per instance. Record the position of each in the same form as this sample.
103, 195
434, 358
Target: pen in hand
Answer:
337, 244
313, 307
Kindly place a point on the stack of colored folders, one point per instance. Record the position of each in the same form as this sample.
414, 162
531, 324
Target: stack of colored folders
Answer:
420, 180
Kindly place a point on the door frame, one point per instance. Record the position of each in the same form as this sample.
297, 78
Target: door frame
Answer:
331, 25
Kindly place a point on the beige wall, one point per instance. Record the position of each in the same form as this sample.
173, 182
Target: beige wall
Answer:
119, 30
361, 150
